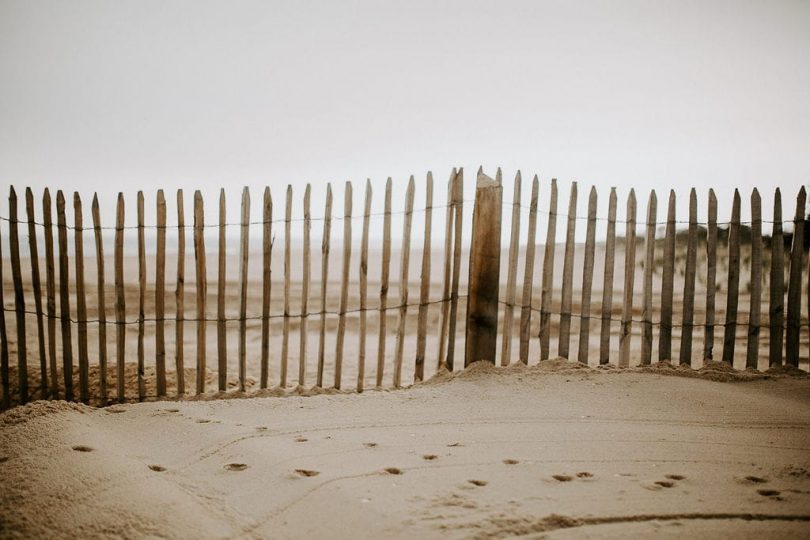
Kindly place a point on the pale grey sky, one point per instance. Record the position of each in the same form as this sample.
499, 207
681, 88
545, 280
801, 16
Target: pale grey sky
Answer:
126, 95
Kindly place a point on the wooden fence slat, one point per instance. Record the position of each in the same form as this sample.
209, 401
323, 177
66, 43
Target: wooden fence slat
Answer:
484, 271
244, 252
448, 250
424, 291
327, 228
179, 295
267, 251
548, 274
568, 276
403, 282
711, 277
587, 281
458, 207
752, 356
607, 284
160, 296
667, 284
511, 277
776, 298
4, 368
344, 289
794, 301
50, 291
688, 316
528, 275
361, 362
729, 338
629, 281
101, 302
141, 298
19, 296
222, 332
202, 287
64, 296
649, 263
285, 338
81, 299
36, 285
120, 301
302, 352
384, 277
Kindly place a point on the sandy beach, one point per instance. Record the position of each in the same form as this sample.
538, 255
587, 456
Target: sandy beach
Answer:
556, 450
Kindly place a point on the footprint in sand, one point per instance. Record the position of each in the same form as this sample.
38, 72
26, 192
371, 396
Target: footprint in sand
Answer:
754, 480
202, 420
674, 476
369, 444
3, 459
261, 428
664, 483
157, 468
430, 457
307, 472
562, 477
769, 492
82, 448
301, 439
235, 467
171, 410
479, 483
393, 470
584, 474
510, 462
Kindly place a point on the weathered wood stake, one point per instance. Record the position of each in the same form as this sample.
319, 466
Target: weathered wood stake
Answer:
629, 281
711, 277
36, 285
120, 302
587, 281
607, 284
752, 356
327, 228
160, 295
511, 277
81, 299
344, 282
64, 298
404, 265
568, 276
776, 297
361, 362
244, 252
548, 271
101, 303
730, 335
19, 295
649, 263
179, 296
667, 285
385, 269
688, 317
794, 302
202, 287
528, 276
267, 251
50, 291
222, 331
424, 291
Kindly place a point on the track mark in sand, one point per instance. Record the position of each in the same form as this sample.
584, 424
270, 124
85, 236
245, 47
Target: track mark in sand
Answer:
82, 448
235, 467
429, 457
261, 428
754, 480
562, 477
510, 462
301, 439
664, 483
674, 476
369, 444
454, 444
307, 472
3, 459
393, 470
584, 474
769, 492
157, 468
479, 483
171, 410
203, 420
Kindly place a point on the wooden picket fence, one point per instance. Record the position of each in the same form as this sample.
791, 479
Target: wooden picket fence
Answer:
490, 312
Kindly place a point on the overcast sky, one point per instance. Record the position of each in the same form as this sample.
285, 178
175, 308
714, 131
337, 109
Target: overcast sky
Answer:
125, 95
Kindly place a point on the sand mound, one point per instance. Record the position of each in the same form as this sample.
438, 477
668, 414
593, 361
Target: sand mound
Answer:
19, 415
713, 371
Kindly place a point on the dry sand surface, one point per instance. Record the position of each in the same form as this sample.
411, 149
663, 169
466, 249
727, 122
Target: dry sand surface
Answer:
555, 449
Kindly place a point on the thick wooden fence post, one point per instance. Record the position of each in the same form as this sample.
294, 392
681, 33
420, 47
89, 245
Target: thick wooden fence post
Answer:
405, 257
752, 356
120, 301
511, 277
547, 285
344, 282
101, 303
424, 290
179, 296
244, 252
141, 298
267, 251
64, 298
160, 296
587, 281
607, 285
81, 299
484, 280
302, 344
361, 361
327, 229
564, 343
649, 264
528, 276
19, 296
730, 334
222, 331
688, 316
384, 273
285, 330
202, 287
629, 281
36, 284
776, 298
711, 277
50, 290
667, 284
794, 302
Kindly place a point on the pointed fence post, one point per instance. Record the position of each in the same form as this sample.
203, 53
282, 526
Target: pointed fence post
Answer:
222, 331
179, 296
752, 356
448, 250
711, 277
587, 281
303, 335
19, 296
511, 277
160, 295
528, 276
424, 289
202, 288
484, 281
50, 290
667, 284
64, 297
141, 298
404, 265
730, 334
607, 285
776, 297
688, 317
244, 252
649, 263
81, 299
101, 303
120, 300
794, 302
458, 207
547, 285
361, 362
36, 285
564, 344
267, 251
629, 281
385, 269
344, 282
